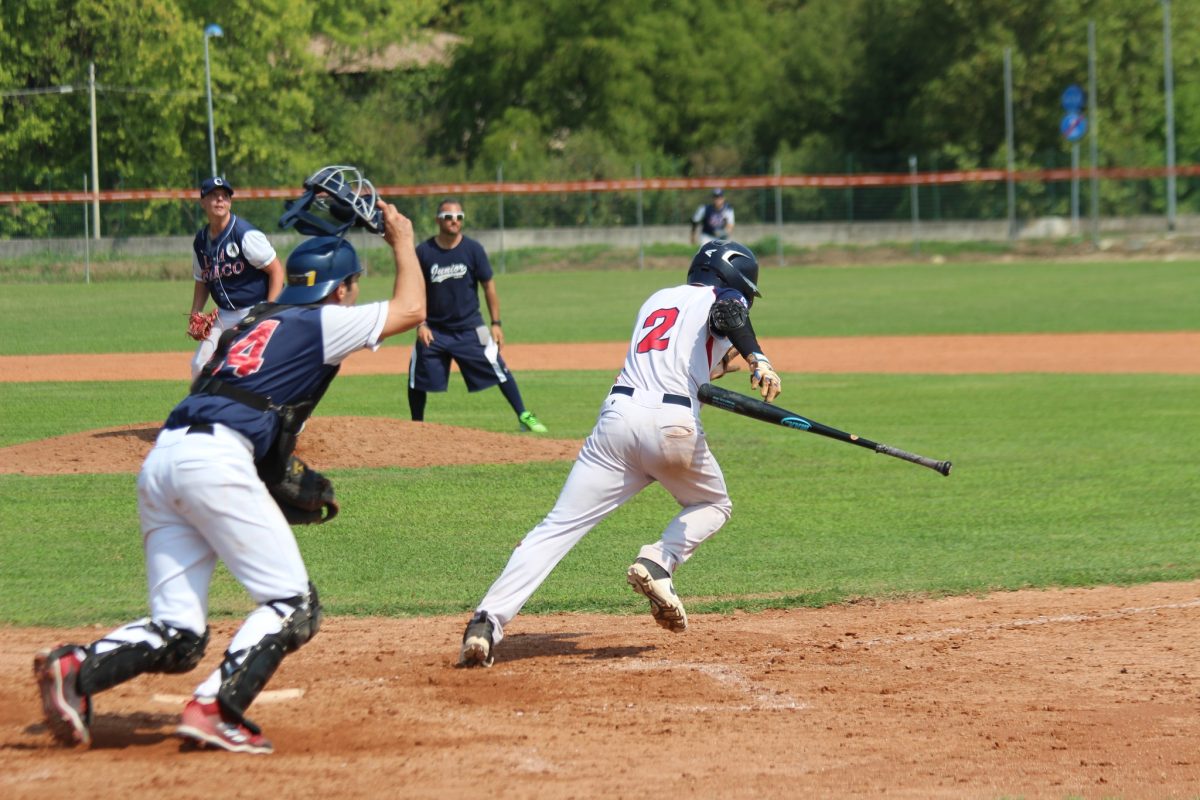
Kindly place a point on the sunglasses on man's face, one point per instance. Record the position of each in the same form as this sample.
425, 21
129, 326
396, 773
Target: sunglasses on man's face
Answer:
447, 215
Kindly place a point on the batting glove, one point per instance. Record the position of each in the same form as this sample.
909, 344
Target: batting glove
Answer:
763, 377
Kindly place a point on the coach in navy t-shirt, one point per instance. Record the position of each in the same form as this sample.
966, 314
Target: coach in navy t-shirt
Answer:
455, 266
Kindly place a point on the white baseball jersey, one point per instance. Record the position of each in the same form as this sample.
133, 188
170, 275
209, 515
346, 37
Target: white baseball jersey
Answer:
648, 431
672, 350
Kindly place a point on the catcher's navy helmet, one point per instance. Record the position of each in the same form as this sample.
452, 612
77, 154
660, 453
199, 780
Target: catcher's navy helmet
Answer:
316, 267
726, 263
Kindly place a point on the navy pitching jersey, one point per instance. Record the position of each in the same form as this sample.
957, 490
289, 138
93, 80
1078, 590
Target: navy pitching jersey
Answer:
452, 279
713, 220
234, 279
284, 357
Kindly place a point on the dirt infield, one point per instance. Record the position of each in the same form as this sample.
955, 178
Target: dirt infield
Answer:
1087, 693
1083, 693
1175, 353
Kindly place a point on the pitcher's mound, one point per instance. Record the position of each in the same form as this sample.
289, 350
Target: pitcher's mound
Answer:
327, 443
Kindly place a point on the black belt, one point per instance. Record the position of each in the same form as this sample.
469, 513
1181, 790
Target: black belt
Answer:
202, 427
674, 399
218, 387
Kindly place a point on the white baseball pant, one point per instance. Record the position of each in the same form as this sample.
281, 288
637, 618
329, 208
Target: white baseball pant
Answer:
636, 440
200, 499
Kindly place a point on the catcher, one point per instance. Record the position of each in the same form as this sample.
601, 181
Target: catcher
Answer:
232, 262
221, 482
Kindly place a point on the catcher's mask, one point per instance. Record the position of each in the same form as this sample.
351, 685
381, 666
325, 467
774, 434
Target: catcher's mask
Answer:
726, 263
335, 199
316, 267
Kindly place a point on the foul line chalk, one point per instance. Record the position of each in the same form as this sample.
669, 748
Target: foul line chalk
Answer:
269, 696
946, 633
760, 698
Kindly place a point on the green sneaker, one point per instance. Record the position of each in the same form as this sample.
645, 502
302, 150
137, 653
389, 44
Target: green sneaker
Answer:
531, 423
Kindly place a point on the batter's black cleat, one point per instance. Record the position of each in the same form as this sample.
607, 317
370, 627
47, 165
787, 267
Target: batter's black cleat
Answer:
203, 725
653, 582
68, 711
478, 641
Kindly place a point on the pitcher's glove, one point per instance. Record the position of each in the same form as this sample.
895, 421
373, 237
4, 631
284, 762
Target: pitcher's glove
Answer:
763, 377
304, 495
199, 324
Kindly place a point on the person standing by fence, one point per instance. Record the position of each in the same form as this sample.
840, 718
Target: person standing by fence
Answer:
713, 220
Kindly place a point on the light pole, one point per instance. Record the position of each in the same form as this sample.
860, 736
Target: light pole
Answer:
213, 29
1169, 98
95, 156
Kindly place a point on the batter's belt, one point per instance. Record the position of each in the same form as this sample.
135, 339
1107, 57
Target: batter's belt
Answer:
674, 399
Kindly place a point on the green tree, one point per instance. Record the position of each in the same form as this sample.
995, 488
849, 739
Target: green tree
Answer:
670, 76
267, 84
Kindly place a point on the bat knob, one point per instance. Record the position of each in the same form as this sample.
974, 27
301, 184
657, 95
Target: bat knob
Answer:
943, 467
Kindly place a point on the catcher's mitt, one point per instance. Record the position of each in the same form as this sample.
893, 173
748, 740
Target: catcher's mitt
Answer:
304, 495
199, 325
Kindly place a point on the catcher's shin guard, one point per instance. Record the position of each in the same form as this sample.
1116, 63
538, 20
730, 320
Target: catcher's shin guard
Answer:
142, 646
246, 672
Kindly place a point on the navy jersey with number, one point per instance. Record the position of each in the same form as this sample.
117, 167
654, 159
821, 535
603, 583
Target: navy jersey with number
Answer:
452, 279
713, 221
284, 357
234, 281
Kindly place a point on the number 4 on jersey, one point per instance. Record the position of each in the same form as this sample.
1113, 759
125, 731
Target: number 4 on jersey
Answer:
246, 355
662, 321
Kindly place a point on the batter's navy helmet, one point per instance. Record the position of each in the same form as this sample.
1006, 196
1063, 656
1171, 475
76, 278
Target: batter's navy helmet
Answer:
316, 267
724, 263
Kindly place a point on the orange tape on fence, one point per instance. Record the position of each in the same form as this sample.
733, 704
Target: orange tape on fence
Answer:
634, 184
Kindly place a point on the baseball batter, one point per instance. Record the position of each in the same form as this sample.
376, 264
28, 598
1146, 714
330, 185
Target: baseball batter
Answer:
648, 430
202, 497
233, 263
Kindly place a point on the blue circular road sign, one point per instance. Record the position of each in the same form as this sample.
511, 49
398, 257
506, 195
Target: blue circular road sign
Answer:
1073, 99
1073, 127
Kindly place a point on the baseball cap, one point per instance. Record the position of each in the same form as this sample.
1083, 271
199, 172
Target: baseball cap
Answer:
718, 192
210, 184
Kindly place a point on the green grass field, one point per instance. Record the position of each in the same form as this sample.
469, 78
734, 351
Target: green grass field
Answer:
1017, 297
1060, 480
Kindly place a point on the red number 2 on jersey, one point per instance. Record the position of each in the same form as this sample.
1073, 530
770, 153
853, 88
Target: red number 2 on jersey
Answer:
662, 320
246, 356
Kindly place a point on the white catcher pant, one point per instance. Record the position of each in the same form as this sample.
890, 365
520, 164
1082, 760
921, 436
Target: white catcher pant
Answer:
200, 499
637, 440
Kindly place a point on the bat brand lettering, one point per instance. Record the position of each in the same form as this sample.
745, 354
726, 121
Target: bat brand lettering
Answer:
439, 273
796, 422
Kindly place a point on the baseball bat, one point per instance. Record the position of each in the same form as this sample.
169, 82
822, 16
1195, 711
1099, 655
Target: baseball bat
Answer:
752, 407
